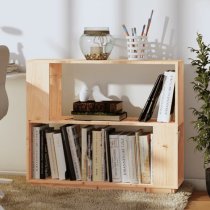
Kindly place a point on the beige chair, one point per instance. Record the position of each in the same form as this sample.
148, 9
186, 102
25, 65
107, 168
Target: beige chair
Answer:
4, 60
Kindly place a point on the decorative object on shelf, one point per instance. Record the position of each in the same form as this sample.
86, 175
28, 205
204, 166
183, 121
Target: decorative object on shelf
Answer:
98, 95
103, 106
84, 94
137, 46
202, 114
96, 43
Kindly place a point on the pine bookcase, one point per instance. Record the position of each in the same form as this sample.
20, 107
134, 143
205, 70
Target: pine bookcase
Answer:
44, 105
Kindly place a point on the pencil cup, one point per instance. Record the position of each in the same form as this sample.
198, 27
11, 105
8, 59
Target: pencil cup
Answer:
137, 47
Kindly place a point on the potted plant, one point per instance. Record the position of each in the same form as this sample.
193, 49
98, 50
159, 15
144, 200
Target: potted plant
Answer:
202, 114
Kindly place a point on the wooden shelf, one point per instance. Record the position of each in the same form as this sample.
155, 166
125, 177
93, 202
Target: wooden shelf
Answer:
129, 121
44, 105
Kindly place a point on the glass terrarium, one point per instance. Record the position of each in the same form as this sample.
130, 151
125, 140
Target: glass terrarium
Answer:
96, 43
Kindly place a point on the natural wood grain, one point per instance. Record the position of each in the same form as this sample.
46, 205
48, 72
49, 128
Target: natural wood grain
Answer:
44, 105
199, 201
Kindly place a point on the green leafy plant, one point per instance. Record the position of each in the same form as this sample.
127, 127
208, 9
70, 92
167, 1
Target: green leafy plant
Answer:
201, 88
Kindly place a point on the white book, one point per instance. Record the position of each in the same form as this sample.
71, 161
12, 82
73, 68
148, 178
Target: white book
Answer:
52, 155
97, 155
137, 154
74, 142
115, 157
61, 163
124, 157
145, 157
132, 164
36, 150
84, 142
166, 97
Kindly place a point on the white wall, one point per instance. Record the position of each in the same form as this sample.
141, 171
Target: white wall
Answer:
51, 29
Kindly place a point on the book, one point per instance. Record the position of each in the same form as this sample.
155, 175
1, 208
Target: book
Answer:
36, 149
99, 117
74, 142
151, 102
107, 155
67, 153
97, 155
137, 154
115, 156
93, 106
52, 155
145, 157
59, 152
166, 97
132, 164
123, 151
84, 143
45, 170
89, 156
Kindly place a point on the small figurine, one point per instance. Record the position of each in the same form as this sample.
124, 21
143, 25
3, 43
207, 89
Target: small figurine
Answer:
98, 96
84, 94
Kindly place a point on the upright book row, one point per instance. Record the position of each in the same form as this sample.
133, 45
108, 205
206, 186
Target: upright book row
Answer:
91, 153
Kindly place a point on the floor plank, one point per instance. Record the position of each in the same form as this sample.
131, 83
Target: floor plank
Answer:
199, 201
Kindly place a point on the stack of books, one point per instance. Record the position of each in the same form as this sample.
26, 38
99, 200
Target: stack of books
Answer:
104, 110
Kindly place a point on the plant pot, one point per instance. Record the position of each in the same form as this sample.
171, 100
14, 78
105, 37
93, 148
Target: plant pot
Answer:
208, 180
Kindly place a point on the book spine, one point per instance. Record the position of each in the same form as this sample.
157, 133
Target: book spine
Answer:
115, 157
132, 159
60, 155
108, 153
52, 157
137, 155
97, 155
68, 156
42, 155
124, 158
74, 147
145, 153
84, 143
89, 156
36, 153
166, 97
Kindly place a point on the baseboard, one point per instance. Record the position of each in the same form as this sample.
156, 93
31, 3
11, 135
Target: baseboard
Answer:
198, 184
20, 173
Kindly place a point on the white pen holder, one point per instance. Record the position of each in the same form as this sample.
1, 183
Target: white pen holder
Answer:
137, 47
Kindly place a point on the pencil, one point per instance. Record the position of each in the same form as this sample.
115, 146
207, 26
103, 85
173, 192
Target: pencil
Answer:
142, 33
125, 29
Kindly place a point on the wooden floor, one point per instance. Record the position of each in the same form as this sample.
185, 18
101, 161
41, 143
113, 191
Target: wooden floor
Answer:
199, 201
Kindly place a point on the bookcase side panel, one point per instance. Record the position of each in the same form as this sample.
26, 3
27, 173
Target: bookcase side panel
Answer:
37, 84
55, 97
180, 92
165, 156
181, 154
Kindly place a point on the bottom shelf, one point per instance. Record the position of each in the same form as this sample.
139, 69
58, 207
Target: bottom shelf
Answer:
102, 185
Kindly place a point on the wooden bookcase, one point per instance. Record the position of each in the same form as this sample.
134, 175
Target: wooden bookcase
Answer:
44, 105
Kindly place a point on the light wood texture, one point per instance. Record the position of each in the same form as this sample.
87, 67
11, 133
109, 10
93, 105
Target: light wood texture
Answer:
44, 105
199, 201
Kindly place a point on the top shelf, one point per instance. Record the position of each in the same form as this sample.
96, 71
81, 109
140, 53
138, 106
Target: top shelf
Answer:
116, 61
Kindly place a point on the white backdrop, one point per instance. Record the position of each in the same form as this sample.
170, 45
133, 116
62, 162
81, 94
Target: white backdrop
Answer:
51, 29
